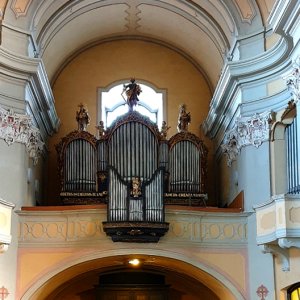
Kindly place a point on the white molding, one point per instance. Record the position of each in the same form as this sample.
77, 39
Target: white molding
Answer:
235, 76
283, 13
289, 242
40, 100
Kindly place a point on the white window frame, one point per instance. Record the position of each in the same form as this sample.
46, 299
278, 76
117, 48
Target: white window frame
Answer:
141, 103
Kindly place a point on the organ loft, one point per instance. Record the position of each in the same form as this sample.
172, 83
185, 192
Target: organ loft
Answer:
133, 168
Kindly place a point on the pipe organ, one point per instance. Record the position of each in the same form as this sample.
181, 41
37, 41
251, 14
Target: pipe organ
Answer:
136, 171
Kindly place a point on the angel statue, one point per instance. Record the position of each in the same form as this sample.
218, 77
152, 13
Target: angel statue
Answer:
132, 91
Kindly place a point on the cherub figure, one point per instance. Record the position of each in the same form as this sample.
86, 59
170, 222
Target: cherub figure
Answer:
184, 119
82, 117
132, 91
101, 130
164, 130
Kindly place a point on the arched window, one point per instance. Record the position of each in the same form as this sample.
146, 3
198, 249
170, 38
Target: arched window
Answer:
294, 292
112, 104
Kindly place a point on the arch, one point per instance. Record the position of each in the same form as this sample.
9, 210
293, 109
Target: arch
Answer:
293, 291
154, 258
55, 23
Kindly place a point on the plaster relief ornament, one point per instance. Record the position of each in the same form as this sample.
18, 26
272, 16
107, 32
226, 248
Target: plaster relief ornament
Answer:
18, 128
132, 91
82, 117
293, 80
184, 119
247, 131
231, 147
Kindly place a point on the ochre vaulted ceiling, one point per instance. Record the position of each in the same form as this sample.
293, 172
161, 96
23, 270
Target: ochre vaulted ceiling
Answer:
204, 31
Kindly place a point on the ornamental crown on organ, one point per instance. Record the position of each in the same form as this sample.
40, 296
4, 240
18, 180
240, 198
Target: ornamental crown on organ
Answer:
133, 168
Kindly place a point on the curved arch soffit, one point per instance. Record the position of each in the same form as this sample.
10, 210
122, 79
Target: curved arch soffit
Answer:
161, 43
217, 281
203, 34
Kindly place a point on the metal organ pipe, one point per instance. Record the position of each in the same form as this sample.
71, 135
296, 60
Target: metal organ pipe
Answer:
184, 167
292, 158
80, 167
133, 152
154, 199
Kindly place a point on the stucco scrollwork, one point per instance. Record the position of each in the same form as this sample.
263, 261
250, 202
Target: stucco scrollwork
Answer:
3, 248
231, 147
246, 131
18, 128
293, 80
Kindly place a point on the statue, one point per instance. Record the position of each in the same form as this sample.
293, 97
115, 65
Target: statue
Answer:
101, 130
132, 91
82, 117
164, 130
184, 119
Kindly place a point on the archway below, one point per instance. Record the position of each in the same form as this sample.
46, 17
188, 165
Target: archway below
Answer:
187, 280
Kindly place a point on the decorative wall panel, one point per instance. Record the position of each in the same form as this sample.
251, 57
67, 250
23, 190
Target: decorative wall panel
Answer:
67, 228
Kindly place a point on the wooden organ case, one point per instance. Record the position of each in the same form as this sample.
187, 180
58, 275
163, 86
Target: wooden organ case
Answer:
135, 170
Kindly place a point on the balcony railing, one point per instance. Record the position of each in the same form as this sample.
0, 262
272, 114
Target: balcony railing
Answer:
278, 225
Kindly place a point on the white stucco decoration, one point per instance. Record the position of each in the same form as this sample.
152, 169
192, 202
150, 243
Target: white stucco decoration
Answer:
246, 131
18, 128
293, 80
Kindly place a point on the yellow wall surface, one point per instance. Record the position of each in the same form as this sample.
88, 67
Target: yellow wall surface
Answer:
70, 272
286, 279
110, 62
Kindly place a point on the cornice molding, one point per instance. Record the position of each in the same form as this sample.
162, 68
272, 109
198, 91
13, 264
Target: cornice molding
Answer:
235, 75
283, 12
18, 128
41, 100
